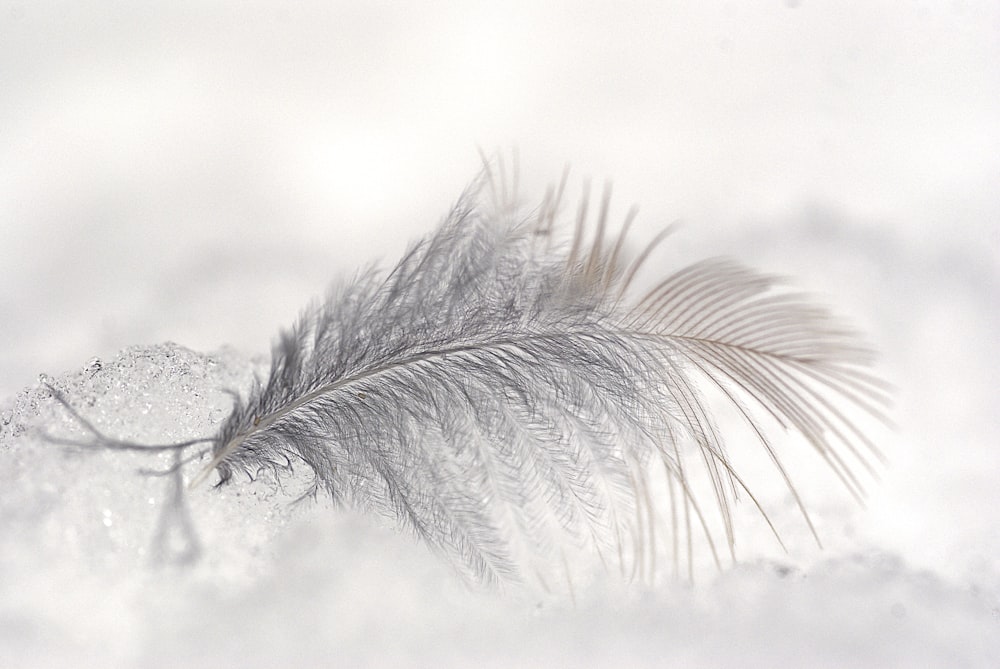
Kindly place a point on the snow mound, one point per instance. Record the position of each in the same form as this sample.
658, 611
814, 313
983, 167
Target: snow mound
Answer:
100, 568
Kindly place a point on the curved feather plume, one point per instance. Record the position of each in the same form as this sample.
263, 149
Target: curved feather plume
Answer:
499, 393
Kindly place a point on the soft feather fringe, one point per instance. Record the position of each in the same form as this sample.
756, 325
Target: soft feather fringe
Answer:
502, 394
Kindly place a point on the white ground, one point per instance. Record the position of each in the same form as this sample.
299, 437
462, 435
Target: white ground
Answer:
197, 175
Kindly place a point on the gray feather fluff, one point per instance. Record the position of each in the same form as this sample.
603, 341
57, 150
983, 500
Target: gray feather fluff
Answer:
502, 394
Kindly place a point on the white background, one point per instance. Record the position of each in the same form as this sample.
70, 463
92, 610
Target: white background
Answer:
195, 172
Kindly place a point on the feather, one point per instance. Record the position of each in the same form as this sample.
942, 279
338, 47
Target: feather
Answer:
501, 392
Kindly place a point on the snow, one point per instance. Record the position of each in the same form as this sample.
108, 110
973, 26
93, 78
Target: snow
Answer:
197, 174
279, 583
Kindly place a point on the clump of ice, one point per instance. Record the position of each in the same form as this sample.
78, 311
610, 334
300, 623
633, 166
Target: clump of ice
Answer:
98, 569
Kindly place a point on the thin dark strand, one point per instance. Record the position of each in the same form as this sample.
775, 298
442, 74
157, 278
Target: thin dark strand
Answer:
612, 269
596, 256
637, 264
581, 223
173, 468
101, 441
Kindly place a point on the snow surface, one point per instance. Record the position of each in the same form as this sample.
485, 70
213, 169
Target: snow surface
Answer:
96, 575
196, 173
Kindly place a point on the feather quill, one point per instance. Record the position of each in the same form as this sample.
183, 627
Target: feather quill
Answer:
500, 392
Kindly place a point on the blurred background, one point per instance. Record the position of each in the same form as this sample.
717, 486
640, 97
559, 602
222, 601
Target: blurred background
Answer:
197, 171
